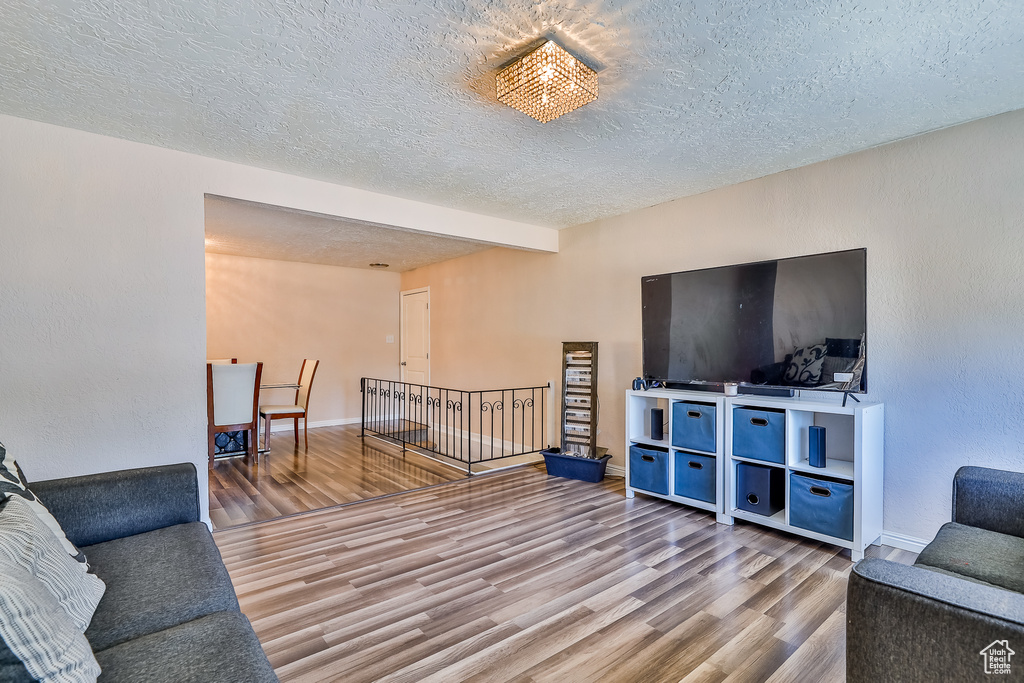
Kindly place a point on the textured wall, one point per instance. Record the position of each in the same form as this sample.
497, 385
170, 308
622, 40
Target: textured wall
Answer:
280, 312
101, 304
942, 217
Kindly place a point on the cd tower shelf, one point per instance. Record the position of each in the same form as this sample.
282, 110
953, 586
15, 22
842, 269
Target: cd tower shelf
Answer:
854, 457
579, 398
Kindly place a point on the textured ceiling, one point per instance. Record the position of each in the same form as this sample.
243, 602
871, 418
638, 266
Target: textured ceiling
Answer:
249, 229
398, 98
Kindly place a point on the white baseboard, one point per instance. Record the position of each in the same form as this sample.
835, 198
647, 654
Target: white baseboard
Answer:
909, 543
615, 471
287, 425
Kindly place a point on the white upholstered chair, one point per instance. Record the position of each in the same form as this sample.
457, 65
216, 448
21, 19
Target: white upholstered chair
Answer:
232, 397
296, 410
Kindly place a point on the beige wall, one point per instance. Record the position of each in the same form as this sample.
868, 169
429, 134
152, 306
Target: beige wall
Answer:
280, 312
942, 217
101, 303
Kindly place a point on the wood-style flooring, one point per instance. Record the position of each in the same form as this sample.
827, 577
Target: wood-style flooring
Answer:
518, 576
338, 468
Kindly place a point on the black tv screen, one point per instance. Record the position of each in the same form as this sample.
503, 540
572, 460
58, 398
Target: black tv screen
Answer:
792, 323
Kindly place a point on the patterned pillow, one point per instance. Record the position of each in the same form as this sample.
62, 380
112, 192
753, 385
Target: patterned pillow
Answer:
26, 542
13, 483
39, 632
805, 366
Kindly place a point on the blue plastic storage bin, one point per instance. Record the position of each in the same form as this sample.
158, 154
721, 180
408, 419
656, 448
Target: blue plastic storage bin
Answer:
759, 434
760, 489
821, 505
693, 426
574, 466
648, 469
695, 476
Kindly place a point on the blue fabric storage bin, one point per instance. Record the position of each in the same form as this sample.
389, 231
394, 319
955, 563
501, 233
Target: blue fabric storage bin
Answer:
760, 489
821, 505
695, 476
759, 434
648, 469
693, 426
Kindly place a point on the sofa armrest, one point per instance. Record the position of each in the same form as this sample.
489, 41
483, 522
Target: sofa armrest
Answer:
101, 507
906, 623
989, 499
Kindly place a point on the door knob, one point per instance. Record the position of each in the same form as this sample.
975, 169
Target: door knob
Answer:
404, 363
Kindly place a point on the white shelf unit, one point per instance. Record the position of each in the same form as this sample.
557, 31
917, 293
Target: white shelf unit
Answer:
854, 437
638, 432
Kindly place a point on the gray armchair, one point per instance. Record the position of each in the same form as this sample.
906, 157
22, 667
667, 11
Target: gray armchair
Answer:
960, 607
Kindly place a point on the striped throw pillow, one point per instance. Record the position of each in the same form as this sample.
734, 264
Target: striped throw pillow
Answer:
40, 632
26, 542
12, 483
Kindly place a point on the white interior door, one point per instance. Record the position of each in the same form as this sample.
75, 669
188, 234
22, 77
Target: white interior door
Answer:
415, 336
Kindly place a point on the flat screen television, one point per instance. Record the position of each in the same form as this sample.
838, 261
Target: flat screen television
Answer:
794, 323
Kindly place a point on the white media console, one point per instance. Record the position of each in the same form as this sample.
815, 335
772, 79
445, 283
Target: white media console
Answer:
840, 503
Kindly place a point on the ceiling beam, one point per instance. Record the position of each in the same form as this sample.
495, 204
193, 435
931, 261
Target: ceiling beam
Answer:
294, 192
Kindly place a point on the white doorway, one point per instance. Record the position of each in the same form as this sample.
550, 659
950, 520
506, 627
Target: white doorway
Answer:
415, 336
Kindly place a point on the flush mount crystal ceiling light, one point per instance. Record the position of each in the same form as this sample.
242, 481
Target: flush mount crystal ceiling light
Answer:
547, 83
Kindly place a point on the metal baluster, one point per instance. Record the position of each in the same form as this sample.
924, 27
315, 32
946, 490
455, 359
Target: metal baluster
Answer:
533, 420
543, 413
468, 433
522, 427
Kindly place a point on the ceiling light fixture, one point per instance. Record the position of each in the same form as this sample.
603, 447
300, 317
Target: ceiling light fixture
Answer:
547, 83
379, 265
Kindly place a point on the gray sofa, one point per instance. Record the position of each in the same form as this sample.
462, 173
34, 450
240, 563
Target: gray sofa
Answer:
169, 612
960, 607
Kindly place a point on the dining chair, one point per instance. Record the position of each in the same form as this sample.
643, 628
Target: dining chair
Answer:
295, 411
222, 361
232, 397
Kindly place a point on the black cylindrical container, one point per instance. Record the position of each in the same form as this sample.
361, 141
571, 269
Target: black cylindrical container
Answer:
816, 446
657, 424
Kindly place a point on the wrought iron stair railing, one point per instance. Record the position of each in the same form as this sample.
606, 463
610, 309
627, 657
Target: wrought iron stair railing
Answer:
470, 427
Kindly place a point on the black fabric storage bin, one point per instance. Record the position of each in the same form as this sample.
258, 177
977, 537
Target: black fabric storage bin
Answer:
760, 489
759, 434
693, 426
695, 476
648, 469
821, 505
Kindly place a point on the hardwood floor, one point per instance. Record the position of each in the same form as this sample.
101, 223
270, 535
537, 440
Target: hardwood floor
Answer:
338, 468
518, 576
